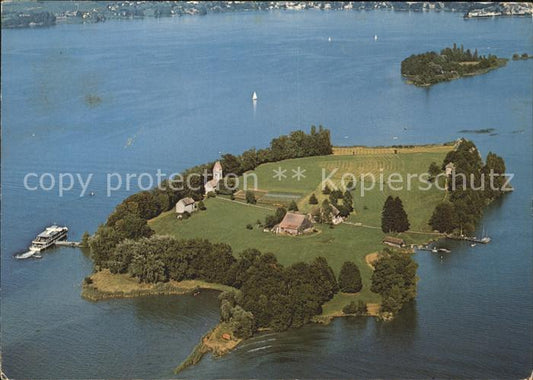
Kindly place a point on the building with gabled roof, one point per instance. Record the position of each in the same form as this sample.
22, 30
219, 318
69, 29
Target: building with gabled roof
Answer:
294, 224
186, 205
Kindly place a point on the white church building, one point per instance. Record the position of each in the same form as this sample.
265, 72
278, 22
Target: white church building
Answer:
211, 185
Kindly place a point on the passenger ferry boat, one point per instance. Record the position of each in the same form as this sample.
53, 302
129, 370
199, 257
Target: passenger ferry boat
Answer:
48, 238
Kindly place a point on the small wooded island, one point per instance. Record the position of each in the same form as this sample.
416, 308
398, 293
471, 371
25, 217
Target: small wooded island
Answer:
287, 253
429, 68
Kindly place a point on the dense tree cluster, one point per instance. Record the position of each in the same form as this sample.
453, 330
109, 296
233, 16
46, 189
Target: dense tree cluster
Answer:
163, 258
393, 217
470, 188
294, 145
280, 297
431, 67
270, 295
242, 322
395, 279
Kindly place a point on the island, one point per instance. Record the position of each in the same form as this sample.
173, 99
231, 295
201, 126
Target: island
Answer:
523, 56
291, 248
429, 68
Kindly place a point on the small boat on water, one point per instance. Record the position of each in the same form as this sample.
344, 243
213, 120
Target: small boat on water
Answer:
375, 37
329, 39
254, 96
444, 250
473, 244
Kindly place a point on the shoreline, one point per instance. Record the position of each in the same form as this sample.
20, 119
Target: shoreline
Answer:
218, 341
105, 285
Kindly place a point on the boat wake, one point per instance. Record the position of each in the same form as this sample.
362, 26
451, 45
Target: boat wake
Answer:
259, 348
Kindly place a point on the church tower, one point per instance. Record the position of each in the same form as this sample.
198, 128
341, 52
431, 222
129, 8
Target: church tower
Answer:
217, 171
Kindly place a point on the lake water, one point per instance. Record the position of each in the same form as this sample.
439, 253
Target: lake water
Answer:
173, 93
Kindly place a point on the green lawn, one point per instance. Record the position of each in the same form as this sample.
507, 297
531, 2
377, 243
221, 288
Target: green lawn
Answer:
225, 220
368, 203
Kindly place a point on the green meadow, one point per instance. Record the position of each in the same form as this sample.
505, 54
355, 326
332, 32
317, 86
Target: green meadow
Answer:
226, 221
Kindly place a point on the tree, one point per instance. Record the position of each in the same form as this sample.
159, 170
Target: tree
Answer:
334, 196
280, 213
250, 197
354, 308
347, 201
494, 175
248, 160
293, 206
85, 239
393, 217
443, 217
326, 190
387, 215
313, 200
324, 278
401, 222
272, 220
102, 245
201, 205
325, 212
243, 322
350, 278
231, 164
434, 169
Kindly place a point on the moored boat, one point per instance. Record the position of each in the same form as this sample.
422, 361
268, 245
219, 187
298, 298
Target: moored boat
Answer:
48, 238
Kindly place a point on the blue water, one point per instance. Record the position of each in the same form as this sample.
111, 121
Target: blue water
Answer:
175, 93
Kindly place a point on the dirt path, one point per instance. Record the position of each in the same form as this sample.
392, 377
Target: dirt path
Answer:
371, 258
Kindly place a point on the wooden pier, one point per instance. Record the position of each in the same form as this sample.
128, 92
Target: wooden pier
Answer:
65, 243
483, 240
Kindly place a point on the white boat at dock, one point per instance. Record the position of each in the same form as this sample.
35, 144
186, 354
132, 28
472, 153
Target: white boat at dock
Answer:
49, 237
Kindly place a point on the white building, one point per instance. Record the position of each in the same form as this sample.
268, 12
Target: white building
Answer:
211, 186
450, 168
186, 205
